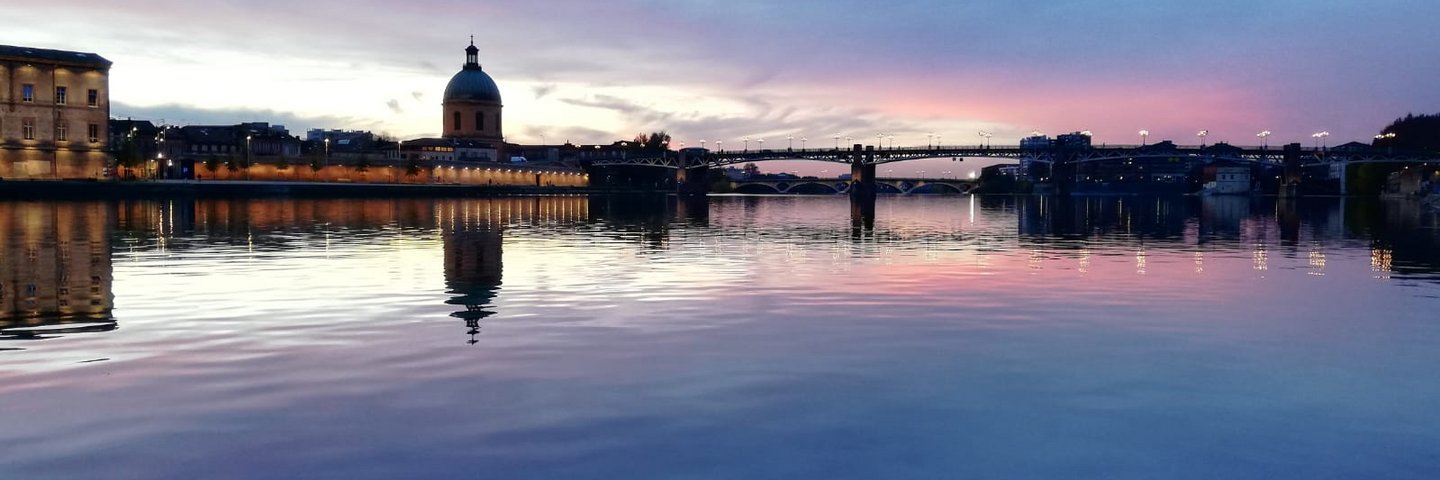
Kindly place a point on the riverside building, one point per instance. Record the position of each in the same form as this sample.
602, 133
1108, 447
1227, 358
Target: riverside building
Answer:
54, 113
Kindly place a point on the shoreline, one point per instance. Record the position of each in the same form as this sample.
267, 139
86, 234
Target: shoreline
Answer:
88, 190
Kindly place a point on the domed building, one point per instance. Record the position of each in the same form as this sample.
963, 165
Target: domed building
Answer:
472, 103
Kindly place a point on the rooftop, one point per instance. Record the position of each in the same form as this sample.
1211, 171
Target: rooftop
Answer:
62, 57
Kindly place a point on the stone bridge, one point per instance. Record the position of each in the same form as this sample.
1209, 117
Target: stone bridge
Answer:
831, 186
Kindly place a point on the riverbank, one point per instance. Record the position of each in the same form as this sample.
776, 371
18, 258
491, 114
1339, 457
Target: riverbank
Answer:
208, 188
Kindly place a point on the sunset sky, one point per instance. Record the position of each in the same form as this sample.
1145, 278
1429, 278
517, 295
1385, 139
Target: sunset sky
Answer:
588, 71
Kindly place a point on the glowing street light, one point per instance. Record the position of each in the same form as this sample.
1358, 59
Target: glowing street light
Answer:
720, 145
1202, 135
702, 143
974, 175
1320, 140
837, 141
747, 144
1265, 138
762, 144
791, 139
803, 140
1144, 135
984, 135
1088, 133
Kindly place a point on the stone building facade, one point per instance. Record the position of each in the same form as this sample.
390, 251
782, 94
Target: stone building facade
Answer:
54, 113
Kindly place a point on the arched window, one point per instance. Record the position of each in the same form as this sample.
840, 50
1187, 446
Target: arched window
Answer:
479, 121
456, 121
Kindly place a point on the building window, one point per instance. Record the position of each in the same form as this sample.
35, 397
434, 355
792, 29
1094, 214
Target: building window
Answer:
455, 119
62, 132
27, 93
27, 128
94, 132
479, 121
60, 95
93, 98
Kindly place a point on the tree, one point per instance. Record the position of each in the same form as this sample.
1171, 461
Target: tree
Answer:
362, 164
1412, 133
128, 156
212, 164
654, 140
412, 166
233, 162
317, 163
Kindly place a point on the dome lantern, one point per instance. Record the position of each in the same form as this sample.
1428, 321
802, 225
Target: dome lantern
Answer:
472, 55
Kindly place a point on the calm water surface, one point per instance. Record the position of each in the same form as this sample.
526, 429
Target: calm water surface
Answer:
746, 337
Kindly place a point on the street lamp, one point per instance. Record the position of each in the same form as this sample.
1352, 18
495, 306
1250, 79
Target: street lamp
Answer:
803, 140
880, 141
1144, 134
1320, 142
930, 141
1265, 139
747, 144
1202, 135
702, 143
837, 141
892, 141
720, 145
791, 139
985, 136
762, 144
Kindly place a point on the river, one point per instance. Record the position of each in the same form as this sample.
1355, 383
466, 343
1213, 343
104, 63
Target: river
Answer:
734, 337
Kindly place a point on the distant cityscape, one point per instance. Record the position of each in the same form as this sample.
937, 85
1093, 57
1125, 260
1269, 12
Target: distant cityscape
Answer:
56, 125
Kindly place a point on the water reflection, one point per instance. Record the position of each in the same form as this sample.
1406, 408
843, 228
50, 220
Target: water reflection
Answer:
473, 235
55, 269
1004, 337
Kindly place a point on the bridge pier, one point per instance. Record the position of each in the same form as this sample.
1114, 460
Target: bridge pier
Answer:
862, 189
692, 180
862, 173
1294, 172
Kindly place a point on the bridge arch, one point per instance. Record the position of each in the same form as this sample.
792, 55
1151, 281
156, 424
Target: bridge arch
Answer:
757, 189
813, 188
938, 188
